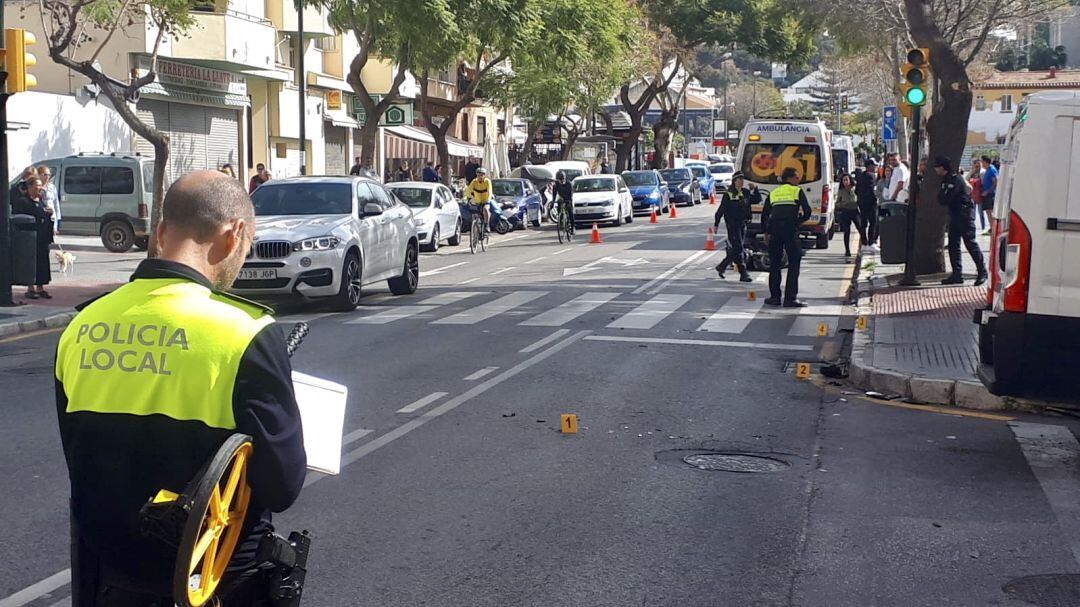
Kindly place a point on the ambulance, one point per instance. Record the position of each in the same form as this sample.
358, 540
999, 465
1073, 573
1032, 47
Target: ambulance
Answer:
770, 145
1029, 332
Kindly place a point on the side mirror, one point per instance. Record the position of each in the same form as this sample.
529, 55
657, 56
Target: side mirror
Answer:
663, 184
372, 209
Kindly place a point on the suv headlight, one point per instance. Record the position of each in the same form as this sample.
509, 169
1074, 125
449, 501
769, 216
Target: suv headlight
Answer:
686, 188
320, 243
653, 195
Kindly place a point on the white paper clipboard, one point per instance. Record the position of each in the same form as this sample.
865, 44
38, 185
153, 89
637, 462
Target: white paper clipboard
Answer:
322, 414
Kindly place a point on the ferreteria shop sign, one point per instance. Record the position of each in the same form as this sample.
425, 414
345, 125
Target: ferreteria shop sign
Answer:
197, 77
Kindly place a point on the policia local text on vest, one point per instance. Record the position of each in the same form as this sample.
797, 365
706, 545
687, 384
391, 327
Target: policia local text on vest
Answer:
150, 380
785, 210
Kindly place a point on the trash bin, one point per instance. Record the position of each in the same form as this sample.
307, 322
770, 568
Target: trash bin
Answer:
23, 250
892, 230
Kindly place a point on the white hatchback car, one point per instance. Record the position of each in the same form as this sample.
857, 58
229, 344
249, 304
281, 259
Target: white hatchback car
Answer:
435, 212
602, 198
326, 237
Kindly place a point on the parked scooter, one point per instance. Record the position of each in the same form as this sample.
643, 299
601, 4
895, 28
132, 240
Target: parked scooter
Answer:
500, 222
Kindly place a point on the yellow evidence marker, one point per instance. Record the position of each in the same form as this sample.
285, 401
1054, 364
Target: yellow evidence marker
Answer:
860, 322
822, 329
802, 370
569, 423
752, 295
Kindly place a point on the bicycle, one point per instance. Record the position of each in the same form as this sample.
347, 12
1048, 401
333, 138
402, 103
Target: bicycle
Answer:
478, 232
565, 227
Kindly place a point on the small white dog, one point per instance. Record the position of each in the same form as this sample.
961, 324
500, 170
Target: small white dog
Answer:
66, 260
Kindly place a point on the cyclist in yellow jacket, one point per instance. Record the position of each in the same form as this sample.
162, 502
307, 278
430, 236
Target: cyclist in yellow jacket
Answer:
478, 195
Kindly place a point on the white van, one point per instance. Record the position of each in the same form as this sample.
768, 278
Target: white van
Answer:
1029, 335
843, 156
570, 168
770, 145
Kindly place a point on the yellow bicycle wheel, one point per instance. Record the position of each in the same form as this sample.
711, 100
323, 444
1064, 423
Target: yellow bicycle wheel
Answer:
214, 524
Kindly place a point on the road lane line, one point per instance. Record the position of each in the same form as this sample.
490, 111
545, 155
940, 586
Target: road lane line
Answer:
465, 282
650, 313
543, 342
423, 402
355, 435
390, 315
36, 591
701, 342
490, 309
501, 270
451, 297
561, 251
1053, 454
455, 402
481, 373
436, 271
539, 258
807, 326
733, 317
558, 316
667, 273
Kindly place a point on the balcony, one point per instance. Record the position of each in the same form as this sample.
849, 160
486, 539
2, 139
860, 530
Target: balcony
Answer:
283, 15
225, 40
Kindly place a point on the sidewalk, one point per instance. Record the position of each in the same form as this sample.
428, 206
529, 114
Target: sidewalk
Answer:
96, 271
920, 342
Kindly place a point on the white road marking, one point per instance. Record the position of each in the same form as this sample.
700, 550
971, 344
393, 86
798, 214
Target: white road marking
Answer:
822, 310
733, 316
539, 258
292, 318
543, 342
390, 315
556, 317
442, 269
650, 313
465, 282
35, 591
457, 401
762, 278
700, 342
501, 270
481, 373
561, 251
1053, 454
423, 402
682, 272
355, 435
443, 299
511, 238
490, 309
668, 272
807, 326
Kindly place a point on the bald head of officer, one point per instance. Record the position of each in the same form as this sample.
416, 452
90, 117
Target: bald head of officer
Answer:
207, 223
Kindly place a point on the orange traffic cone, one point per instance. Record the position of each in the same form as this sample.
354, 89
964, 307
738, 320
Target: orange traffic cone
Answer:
712, 198
672, 214
595, 235
652, 216
710, 244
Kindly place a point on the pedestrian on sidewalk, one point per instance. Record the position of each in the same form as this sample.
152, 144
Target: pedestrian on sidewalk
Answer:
974, 178
989, 189
356, 167
735, 211
899, 180
29, 202
470, 169
954, 195
48, 195
847, 209
785, 210
260, 177
430, 175
866, 193
403, 172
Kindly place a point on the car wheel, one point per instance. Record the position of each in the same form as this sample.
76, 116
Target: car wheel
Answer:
821, 241
455, 240
348, 296
618, 219
434, 246
410, 275
118, 236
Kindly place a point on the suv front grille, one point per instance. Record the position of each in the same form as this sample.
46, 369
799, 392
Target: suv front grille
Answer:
273, 249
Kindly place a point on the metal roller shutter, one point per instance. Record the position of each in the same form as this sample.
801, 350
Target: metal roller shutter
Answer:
335, 150
188, 150
223, 138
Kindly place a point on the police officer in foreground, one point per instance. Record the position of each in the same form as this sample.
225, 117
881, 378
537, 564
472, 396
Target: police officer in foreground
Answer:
150, 381
954, 195
785, 210
735, 211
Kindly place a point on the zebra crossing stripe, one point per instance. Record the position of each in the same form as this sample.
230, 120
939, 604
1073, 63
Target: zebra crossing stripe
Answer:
733, 317
492, 308
390, 315
556, 317
650, 313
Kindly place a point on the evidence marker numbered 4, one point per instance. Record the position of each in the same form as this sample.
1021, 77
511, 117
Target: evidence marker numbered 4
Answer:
98, 347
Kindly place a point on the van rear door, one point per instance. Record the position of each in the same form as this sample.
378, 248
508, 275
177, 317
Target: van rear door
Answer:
1065, 230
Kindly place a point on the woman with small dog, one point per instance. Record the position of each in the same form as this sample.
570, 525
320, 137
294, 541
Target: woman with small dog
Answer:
29, 202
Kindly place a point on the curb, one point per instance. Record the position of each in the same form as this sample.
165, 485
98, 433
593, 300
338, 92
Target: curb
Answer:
36, 324
929, 390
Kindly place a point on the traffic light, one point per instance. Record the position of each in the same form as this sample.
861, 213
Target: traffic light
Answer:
844, 102
16, 59
915, 76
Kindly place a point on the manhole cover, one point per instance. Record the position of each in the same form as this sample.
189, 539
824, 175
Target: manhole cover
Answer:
735, 462
1054, 590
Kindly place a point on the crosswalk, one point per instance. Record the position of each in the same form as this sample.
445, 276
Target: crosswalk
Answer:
728, 313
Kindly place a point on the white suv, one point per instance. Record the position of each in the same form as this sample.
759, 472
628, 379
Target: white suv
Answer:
319, 237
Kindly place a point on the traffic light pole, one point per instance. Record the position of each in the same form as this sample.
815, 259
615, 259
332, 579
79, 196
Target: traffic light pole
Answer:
909, 279
6, 264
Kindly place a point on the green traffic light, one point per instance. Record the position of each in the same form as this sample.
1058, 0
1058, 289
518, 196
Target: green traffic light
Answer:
915, 96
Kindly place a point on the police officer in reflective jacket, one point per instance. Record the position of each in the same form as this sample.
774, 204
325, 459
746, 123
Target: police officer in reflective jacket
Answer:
150, 381
785, 210
954, 195
735, 211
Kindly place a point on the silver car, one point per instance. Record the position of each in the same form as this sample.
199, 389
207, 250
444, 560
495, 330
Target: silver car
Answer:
435, 212
326, 237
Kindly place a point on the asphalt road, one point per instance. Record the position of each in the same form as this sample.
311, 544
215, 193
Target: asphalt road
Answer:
459, 488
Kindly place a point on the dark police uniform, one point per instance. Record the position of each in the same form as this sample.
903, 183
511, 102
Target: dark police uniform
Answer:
868, 204
954, 195
735, 211
150, 381
785, 210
